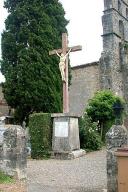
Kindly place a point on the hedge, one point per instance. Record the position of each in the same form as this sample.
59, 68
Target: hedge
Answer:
40, 130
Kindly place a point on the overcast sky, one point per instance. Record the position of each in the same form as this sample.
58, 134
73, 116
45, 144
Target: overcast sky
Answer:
85, 28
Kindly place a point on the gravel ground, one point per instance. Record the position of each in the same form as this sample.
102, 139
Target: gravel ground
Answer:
13, 187
84, 174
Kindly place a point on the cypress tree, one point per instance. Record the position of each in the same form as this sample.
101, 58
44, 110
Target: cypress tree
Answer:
33, 81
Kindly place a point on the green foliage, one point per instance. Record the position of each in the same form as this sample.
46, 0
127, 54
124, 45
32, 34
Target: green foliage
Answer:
5, 178
100, 106
40, 129
89, 137
100, 109
33, 81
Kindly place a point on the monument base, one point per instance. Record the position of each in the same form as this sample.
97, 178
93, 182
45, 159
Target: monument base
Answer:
65, 141
68, 155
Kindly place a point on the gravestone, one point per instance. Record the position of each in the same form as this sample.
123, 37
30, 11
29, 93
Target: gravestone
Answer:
13, 156
2, 129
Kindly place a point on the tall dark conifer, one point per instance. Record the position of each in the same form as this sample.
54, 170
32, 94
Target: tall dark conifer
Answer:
33, 82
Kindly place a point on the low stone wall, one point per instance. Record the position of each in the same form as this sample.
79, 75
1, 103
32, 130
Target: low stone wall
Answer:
13, 153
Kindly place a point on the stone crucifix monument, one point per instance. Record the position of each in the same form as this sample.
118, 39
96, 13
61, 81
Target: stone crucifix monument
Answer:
63, 66
65, 141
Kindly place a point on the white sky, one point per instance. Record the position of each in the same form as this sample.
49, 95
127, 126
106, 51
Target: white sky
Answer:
85, 28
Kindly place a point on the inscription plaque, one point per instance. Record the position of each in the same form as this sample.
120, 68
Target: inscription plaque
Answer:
61, 129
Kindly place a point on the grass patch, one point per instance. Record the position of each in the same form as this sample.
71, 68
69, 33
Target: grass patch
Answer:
5, 178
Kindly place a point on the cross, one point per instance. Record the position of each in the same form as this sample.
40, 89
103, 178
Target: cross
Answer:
65, 49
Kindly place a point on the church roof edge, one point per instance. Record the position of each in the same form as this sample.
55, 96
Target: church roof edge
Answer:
85, 65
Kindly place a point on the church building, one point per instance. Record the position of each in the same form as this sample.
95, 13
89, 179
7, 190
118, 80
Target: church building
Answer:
111, 71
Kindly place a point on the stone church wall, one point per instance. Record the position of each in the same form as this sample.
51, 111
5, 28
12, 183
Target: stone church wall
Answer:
85, 82
113, 63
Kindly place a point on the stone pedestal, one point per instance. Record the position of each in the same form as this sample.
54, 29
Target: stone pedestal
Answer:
65, 141
115, 138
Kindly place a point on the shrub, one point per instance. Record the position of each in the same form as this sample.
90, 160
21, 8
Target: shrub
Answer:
40, 129
89, 137
100, 109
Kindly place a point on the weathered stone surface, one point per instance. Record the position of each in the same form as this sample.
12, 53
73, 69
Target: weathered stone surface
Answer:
13, 152
65, 136
116, 137
2, 130
4, 108
76, 154
113, 62
69, 142
84, 83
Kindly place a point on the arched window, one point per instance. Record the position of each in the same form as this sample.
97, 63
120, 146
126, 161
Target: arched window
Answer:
121, 29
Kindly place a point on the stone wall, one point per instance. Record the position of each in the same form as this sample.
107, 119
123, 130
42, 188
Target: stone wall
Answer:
85, 82
113, 64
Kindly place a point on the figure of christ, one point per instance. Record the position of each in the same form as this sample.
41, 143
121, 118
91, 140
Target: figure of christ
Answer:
62, 64
62, 53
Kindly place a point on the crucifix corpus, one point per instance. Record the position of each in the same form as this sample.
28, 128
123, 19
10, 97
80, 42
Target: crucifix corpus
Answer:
63, 54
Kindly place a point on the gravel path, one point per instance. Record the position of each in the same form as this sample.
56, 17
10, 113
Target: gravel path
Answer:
84, 174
